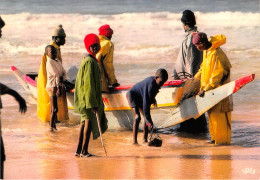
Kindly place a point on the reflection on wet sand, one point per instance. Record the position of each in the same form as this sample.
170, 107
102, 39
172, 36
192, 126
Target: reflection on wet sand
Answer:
33, 152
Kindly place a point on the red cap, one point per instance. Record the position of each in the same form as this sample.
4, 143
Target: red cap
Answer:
199, 37
105, 30
89, 40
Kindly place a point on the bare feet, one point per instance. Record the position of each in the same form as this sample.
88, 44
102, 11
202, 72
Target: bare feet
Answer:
212, 142
145, 143
136, 144
77, 154
87, 155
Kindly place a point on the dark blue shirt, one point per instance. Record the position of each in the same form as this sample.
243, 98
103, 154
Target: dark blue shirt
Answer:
143, 93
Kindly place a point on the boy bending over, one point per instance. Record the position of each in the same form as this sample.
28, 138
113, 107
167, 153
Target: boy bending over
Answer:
141, 96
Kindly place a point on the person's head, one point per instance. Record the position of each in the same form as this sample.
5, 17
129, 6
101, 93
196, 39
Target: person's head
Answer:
105, 30
201, 42
92, 44
51, 52
188, 19
161, 76
2, 24
59, 36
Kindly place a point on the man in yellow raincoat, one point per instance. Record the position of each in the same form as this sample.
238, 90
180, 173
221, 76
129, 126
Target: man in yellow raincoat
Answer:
43, 100
105, 58
214, 72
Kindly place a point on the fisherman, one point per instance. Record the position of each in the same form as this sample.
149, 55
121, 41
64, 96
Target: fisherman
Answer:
43, 100
22, 108
105, 58
188, 63
56, 75
88, 97
214, 72
141, 96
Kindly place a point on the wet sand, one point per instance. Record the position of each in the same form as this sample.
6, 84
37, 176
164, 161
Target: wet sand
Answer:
34, 152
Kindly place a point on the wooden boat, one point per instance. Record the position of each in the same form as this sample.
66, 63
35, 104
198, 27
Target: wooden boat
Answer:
172, 108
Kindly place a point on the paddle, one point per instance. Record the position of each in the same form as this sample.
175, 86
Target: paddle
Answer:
100, 132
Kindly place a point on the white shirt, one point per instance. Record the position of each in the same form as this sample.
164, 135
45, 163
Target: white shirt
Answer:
54, 71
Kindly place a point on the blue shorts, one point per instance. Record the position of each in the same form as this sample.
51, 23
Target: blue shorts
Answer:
134, 100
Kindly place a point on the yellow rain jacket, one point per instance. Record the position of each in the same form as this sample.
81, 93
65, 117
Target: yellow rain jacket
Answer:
214, 72
43, 100
105, 62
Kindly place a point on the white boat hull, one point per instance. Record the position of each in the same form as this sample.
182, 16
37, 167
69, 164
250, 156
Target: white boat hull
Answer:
168, 113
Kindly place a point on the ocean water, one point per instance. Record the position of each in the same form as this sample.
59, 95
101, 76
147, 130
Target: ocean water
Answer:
147, 36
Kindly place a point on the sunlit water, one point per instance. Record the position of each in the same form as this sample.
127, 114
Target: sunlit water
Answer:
144, 41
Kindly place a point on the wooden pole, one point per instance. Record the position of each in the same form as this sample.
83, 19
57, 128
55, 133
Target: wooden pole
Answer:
100, 132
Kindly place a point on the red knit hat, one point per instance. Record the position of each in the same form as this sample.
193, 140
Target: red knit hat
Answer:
89, 40
105, 30
199, 37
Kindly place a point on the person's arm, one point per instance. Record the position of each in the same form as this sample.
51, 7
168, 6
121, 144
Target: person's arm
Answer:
198, 74
196, 59
5, 90
52, 72
108, 65
216, 75
148, 99
147, 113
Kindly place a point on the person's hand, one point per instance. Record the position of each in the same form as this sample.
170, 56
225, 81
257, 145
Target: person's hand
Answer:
201, 93
22, 105
94, 110
115, 85
150, 125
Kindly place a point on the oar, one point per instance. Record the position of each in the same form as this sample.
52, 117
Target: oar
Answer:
100, 132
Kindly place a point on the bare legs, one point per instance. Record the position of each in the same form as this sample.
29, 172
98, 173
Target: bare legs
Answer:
137, 120
145, 133
84, 136
54, 111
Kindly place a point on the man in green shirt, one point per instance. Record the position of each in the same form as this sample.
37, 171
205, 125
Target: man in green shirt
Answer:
88, 96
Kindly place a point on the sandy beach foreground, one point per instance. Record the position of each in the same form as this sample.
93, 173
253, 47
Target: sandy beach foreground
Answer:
34, 152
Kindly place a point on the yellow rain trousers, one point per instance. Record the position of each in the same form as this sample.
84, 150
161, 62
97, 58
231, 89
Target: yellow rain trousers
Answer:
214, 72
105, 62
43, 100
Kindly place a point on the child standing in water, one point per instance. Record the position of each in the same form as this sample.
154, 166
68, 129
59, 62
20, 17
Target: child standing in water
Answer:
54, 86
141, 96
88, 97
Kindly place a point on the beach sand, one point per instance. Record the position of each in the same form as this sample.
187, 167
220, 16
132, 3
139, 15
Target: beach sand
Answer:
34, 152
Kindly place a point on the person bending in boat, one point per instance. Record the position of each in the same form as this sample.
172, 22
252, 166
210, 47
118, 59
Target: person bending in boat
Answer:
141, 96
43, 100
105, 58
214, 72
188, 61
88, 97
22, 108
55, 78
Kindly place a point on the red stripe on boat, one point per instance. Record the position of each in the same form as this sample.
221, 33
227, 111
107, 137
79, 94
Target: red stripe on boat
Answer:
174, 83
13, 68
243, 81
167, 83
30, 80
